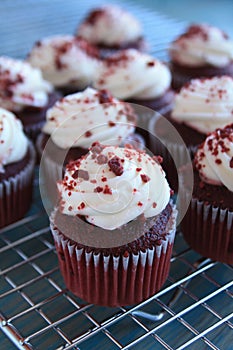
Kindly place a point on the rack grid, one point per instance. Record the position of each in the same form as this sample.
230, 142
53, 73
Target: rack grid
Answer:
193, 310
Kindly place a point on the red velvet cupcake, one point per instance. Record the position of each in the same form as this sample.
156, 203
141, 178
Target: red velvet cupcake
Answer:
114, 227
78, 120
137, 78
17, 160
69, 63
111, 29
200, 107
202, 51
208, 224
24, 92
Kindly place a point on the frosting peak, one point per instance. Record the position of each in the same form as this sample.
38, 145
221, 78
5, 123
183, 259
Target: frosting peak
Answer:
111, 186
65, 60
202, 44
79, 119
131, 74
205, 104
13, 142
21, 85
214, 158
110, 26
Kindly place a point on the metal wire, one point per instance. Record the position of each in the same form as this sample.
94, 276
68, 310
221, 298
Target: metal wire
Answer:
193, 310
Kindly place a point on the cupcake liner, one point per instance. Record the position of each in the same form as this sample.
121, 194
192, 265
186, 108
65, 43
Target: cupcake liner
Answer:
16, 193
174, 156
179, 80
105, 279
50, 172
33, 130
209, 230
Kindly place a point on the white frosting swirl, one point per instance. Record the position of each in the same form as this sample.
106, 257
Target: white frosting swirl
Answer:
80, 119
21, 85
131, 74
200, 45
110, 201
205, 104
13, 142
214, 159
110, 25
65, 60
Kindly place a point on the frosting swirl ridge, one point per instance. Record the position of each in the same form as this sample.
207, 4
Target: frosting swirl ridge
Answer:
82, 118
214, 158
202, 44
13, 142
111, 26
205, 104
132, 74
65, 60
21, 85
111, 186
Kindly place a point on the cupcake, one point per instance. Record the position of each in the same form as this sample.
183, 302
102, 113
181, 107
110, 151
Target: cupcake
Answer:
200, 107
138, 78
69, 63
78, 120
24, 92
208, 224
110, 28
202, 51
17, 159
114, 227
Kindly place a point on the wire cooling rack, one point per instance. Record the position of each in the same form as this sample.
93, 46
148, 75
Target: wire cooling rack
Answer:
194, 309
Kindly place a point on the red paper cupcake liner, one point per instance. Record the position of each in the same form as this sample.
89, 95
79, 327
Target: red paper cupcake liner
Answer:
16, 193
209, 230
114, 280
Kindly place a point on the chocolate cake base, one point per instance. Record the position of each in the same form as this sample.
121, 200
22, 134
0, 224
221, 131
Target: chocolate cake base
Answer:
160, 130
208, 224
161, 104
33, 118
16, 188
106, 51
121, 275
183, 74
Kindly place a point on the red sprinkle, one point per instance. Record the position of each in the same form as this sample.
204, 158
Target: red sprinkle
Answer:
105, 96
107, 190
88, 133
140, 204
81, 206
101, 159
150, 64
115, 166
154, 205
83, 174
98, 189
138, 169
145, 178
